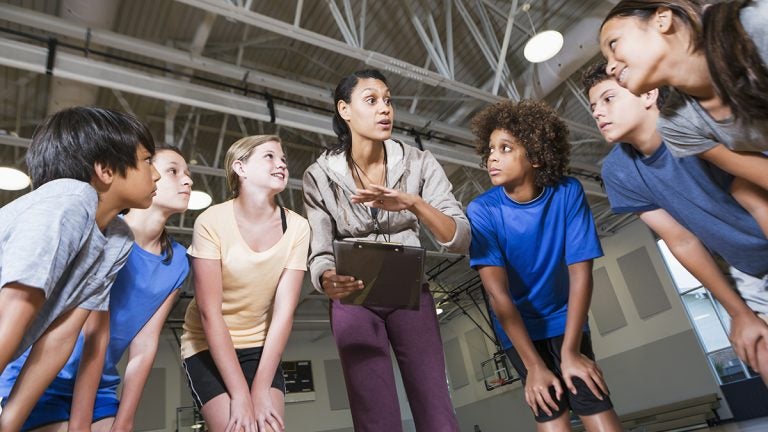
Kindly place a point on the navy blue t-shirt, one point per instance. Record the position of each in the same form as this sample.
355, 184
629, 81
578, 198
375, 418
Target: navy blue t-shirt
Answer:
535, 242
695, 193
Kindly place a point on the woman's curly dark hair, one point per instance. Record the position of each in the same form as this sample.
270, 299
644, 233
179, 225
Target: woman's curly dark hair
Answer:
536, 126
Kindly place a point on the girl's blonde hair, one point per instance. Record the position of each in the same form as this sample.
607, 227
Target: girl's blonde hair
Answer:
241, 150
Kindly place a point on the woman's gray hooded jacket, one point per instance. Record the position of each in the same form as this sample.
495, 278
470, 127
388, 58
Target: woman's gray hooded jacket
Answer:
328, 184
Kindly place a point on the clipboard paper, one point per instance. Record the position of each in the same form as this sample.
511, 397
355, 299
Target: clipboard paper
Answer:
391, 272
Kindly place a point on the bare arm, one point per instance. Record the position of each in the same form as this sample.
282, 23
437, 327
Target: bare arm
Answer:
442, 226
574, 363
141, 356
754, 199
540, 378
746, 327
48, 356
19, 305
208, 294
89, 371
286, 299
750, 166
579, 298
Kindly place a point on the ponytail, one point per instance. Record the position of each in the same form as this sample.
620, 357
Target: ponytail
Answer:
343, 135
166, 246
739, 75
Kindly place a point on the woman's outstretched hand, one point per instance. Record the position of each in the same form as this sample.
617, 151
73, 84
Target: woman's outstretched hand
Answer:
384, 198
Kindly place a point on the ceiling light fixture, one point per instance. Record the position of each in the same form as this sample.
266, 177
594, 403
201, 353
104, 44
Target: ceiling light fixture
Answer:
542, 46
199, 200
12, 179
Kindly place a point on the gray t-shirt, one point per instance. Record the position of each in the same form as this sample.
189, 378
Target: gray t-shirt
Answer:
49, 240
688, 129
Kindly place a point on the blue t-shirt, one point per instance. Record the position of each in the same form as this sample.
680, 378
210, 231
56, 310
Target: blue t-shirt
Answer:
535, 242
139, 290
693, 192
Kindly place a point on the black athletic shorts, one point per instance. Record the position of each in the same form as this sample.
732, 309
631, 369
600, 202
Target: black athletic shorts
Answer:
583, 403
205, 381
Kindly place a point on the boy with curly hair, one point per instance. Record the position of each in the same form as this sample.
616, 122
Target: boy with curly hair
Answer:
690, 204
533, 243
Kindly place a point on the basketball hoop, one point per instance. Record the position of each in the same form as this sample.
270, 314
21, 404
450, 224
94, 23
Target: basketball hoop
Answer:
497, 371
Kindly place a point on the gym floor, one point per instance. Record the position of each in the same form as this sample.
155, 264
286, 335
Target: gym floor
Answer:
754, 425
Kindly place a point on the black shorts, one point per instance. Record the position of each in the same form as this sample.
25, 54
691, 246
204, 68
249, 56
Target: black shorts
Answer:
583, 403
205, 381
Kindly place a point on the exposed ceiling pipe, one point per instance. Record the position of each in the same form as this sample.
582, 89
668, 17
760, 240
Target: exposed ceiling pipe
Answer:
199, 40
91, 14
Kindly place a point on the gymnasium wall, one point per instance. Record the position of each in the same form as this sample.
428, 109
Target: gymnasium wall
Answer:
647, 349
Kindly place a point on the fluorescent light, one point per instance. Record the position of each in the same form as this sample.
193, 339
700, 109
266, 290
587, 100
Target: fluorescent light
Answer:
13, 179
543, 46
199, 200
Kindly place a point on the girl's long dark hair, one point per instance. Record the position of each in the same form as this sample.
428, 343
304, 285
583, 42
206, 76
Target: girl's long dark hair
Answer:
739, 75
344, 92
738, 72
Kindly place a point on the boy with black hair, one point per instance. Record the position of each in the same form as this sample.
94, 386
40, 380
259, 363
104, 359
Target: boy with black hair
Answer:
688, 203
61, 245
533, 243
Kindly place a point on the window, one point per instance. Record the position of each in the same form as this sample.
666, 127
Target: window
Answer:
709, 319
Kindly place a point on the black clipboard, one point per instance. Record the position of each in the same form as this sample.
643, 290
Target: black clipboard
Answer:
391, 272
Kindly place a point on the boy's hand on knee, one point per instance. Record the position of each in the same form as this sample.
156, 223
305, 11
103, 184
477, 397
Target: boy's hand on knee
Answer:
537, 394
579, 365
747, 331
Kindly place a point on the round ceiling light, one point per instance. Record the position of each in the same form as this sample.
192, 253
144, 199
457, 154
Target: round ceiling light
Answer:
199, 200
13, 179
543, 46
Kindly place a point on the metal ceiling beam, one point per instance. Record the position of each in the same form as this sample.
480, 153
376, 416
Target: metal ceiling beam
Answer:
165, 54
14, 141
28, 57
63, 94
297, 15
52, 24
347, 29
200, 38
371, 58
490, 55
504, 46
363, 18
433, 47
449, 37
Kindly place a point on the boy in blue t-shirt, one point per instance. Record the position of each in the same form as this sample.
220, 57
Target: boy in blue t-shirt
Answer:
61, 245
533, 242
689, 204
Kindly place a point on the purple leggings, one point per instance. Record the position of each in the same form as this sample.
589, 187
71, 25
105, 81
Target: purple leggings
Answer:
363, 336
